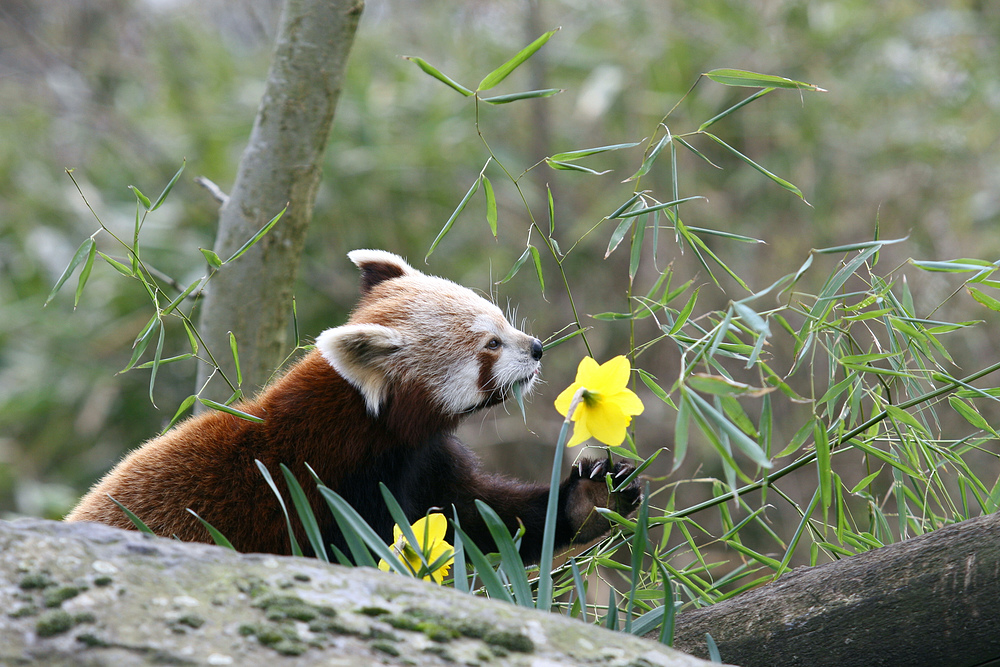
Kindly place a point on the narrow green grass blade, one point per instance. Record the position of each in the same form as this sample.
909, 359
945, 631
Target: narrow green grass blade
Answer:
713, 650
544, 601
296, 549
669, 609
799, 530
461, 578
217, 537
581, 588
822, 443
136, 521
491, 581
401, 520
306, 514
510, 559
611, 618
357, 533
638, 544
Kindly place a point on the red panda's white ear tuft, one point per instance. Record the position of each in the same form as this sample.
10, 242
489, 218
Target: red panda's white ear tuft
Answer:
359, 352
378, 265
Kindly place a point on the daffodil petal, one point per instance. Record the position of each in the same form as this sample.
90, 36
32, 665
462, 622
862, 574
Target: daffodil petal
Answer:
588, 366
384, 565
565, 398
580, 433
627, 401
613, 374
607, 423
438, 527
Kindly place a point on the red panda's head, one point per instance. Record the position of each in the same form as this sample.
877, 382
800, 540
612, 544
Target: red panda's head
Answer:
418, 330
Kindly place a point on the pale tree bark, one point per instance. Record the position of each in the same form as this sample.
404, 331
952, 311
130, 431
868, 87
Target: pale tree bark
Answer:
281, 165
931, 600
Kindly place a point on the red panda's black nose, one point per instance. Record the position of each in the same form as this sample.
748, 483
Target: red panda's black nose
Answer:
536, 349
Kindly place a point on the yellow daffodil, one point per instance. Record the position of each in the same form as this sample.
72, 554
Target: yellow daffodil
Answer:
608, 405
429, 531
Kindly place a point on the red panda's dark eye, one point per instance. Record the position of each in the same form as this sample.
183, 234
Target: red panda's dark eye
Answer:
493, 344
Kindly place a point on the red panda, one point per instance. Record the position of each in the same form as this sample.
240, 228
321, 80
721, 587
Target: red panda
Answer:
377, 400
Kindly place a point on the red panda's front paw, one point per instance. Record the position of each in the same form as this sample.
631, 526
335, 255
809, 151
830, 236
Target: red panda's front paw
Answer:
586, 488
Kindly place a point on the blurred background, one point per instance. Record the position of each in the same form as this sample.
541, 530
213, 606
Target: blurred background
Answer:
122, 91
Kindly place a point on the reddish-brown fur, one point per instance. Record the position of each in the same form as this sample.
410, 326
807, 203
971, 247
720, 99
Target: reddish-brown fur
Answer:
313, 416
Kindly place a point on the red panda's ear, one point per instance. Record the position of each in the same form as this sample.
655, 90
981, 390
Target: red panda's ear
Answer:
377, 266
359, 352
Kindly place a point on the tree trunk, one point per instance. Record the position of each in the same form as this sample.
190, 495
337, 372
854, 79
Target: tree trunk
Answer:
931, 600
281, 165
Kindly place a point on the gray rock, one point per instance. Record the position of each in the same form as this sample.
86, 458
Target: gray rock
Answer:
87, 594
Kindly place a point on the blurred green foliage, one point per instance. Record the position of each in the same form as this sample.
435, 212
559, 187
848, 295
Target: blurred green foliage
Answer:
122, 91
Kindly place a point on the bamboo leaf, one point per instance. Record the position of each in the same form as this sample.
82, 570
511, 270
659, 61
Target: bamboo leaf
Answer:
163, 195
434, 72
116, 265
82, 253
777, 179
647, 162
143, 199
617, 236
207, 402
517, 265
211, 257
526, 95
739, 105
85, 274
258, 236
452, 218
502, 72
491, 206
552, 210
537, 260
983, 298
236, 358
570, 166
569, 156
737, 77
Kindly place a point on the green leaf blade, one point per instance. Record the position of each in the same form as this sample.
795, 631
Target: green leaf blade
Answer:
502, 72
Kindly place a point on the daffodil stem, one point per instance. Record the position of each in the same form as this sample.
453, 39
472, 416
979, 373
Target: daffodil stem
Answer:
544, 600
